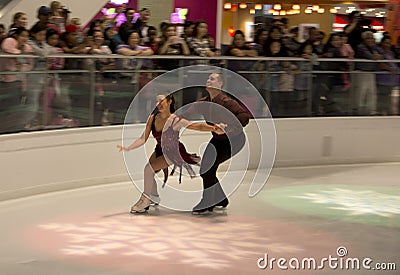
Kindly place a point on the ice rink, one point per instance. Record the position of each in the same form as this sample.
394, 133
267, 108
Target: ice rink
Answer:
333, 219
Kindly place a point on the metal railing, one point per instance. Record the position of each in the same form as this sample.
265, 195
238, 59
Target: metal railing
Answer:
88, 96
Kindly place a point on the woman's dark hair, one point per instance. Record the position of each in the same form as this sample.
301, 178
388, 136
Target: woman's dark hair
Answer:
187, 24
172, 106
164, 29
196, 25
129, 35
258, 34
36, 29
328, 44
236, 33
163, 25
386, 37
92, 26
50, 32
128, 10
16, 31
151, 28
167, 97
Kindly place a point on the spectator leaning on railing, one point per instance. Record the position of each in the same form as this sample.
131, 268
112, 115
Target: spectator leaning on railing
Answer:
13, 87
37, 82
386, 82
171, 44
364, 92
199, 44
128, 79
55, 97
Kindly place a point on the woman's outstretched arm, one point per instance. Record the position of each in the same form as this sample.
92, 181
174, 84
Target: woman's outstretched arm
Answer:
142, 140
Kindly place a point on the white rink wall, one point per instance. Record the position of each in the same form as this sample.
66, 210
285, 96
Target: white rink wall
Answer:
39, 162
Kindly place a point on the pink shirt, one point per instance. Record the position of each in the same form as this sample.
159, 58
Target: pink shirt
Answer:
347, 51
10, 45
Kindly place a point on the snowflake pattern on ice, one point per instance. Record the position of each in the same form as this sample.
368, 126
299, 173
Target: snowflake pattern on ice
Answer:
357, 202
193, 242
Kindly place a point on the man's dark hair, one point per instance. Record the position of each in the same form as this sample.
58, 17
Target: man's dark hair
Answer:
188, 24
128, 10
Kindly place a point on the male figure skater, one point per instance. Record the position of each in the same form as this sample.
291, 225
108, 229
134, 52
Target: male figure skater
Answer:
221, 147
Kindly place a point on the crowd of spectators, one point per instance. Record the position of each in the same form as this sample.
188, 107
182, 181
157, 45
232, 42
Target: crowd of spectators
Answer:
56, 32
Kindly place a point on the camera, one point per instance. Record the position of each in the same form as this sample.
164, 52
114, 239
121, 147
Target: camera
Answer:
362, 21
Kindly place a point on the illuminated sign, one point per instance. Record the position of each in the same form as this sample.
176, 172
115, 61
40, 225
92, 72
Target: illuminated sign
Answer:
119, 2
179, 16
111, 12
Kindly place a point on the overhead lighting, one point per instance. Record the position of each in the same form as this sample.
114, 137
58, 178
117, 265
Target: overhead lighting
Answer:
242, 5
315, 7
231, 31
271, 11
252, 11
333, 10
308, 11
258, 6
295, 7
282, 13
321, 10
276, 13
227, 6
277, 7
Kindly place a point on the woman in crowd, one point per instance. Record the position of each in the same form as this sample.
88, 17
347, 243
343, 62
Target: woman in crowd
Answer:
274, 34
37, 82
20, 19
110, 39
260, 40
386, 82
200, 43
171, 44
13, 87
332, 49
53, 82
57, 17
128, 79
188, 29
162, 122
240, 49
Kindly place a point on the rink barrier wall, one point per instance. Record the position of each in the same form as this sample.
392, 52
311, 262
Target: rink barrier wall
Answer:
40, 162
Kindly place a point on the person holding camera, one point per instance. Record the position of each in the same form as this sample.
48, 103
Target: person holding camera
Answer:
171, 44
356, 28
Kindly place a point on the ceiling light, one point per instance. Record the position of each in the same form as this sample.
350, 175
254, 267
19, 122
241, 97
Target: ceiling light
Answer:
296, 7
227, 6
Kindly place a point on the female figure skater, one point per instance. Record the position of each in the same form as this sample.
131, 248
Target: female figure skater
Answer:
164, 114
